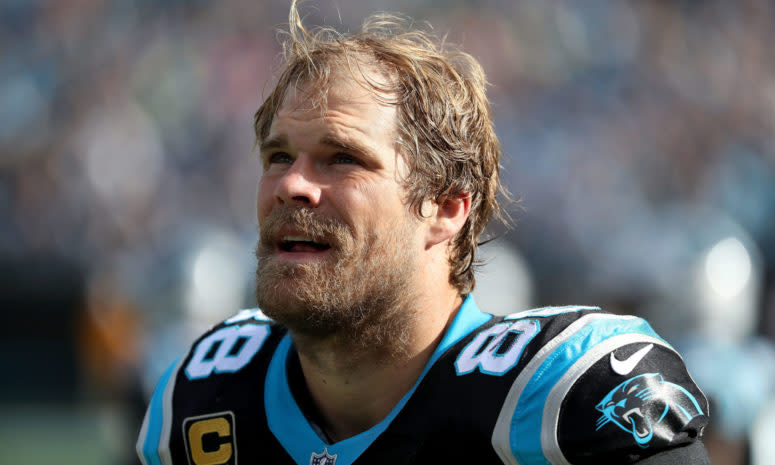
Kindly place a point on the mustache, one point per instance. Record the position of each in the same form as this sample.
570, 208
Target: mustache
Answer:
310, 223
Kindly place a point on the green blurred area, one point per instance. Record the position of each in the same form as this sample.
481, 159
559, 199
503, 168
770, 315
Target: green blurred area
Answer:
62, 435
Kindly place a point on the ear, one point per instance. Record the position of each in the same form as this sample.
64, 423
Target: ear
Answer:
447, 217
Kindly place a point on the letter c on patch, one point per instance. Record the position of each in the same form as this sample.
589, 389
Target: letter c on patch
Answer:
219, 426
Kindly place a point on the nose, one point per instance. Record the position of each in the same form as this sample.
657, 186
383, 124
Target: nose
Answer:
298, 186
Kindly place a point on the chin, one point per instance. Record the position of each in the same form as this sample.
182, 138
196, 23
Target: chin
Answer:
281, 304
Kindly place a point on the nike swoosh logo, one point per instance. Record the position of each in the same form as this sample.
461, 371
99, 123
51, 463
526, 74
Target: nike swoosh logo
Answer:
624, 367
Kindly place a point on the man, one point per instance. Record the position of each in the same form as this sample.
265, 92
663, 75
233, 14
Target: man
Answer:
380, 172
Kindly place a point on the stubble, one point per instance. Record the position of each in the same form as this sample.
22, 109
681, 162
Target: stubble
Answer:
359, 298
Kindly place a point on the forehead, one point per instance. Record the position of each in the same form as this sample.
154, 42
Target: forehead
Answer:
346, 101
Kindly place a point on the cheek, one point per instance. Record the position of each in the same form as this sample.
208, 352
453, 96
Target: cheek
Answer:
382, 194
383, 205
264, 197
367, 199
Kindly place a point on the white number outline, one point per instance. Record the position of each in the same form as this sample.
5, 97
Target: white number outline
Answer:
221, 362
486, 359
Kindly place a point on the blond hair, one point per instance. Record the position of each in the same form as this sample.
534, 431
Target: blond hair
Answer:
444, 120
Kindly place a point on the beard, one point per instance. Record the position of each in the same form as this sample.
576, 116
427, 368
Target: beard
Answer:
359, 296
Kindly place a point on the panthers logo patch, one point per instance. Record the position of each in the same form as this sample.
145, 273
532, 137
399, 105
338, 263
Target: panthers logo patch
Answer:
647, 406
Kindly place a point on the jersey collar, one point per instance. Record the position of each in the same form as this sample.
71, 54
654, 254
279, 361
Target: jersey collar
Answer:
297, 436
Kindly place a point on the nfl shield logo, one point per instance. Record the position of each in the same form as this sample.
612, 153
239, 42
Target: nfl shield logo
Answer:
322, 459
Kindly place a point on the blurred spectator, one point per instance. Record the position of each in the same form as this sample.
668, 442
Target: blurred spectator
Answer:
126, 153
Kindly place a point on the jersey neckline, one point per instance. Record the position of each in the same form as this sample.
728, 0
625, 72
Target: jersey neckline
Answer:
297, 436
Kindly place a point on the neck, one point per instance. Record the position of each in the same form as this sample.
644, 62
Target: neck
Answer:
355, 389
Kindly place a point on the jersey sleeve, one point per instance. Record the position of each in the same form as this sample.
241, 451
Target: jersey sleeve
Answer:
693, 453
606, 389
154, 438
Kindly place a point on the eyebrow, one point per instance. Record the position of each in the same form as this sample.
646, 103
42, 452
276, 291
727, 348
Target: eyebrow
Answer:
346, 145
280, 141
273, 143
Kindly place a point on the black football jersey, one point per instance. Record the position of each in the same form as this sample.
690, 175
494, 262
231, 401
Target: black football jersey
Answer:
555, 385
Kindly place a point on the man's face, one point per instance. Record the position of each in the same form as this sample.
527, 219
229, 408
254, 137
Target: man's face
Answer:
338, 244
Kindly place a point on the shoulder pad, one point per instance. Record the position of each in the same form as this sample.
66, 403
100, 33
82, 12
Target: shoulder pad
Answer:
224, 355
604, 386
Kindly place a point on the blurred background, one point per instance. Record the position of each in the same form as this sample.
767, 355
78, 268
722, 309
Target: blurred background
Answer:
639, 138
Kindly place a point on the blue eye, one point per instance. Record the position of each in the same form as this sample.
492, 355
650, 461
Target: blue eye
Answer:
344, 159
279, 157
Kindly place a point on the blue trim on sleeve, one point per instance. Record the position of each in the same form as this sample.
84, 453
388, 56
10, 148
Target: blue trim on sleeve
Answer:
156, 419
291, 427
526, 424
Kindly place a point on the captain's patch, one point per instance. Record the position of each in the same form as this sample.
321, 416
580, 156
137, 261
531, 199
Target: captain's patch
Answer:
210, 439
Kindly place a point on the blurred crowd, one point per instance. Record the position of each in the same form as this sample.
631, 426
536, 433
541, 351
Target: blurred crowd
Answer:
639, 140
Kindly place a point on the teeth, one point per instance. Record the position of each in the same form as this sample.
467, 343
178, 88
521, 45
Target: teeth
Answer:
297, 239
288, 242
626, 415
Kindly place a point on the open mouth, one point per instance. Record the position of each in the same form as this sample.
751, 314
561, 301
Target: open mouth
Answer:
302, 244
638, 422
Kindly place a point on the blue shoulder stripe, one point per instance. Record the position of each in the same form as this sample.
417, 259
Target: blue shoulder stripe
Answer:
153, 441
520, 428
551, 419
